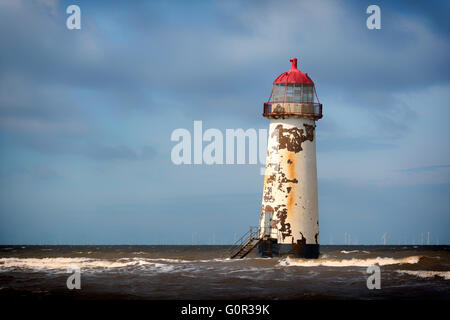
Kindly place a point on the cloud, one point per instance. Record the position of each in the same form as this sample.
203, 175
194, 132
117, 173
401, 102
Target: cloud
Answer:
97, 105
40, 173
426, 168
353, 144
121, 152
183, 56
152, 57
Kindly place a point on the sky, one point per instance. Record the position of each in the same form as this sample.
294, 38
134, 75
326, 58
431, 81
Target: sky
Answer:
86, 117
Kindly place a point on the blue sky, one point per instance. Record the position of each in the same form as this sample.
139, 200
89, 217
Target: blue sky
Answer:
86, 117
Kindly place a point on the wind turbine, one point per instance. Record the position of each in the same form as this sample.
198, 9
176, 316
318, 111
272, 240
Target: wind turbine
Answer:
383, 237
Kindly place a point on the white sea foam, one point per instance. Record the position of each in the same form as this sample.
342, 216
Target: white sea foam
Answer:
351, 251
347, 262
62, 264
248, 269
354, 251
170, 260
426, 274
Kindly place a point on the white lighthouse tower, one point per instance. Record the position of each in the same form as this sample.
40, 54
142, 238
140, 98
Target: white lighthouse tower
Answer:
289, 222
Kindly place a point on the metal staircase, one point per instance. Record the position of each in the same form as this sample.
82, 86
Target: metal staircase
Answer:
245, 244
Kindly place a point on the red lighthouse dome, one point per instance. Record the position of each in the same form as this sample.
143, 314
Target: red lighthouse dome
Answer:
293, 95
294, 75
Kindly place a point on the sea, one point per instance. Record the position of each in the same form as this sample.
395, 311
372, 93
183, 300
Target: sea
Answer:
168, 272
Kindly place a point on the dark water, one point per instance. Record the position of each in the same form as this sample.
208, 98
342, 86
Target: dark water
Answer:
201, 272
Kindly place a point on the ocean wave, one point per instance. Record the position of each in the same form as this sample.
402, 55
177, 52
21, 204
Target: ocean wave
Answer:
347, 262
203, 260
63, 264
426, 274
170, 260
354, 251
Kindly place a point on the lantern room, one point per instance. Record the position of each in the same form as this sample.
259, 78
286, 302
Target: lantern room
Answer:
293, 94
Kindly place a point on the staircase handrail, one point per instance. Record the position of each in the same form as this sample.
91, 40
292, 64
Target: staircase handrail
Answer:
242, 241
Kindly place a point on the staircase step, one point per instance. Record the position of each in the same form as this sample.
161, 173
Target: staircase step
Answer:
245, 249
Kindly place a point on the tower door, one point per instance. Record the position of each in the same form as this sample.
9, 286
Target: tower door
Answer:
268, 223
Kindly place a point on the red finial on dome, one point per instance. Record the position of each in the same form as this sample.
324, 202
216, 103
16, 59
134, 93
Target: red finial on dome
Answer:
294, 75
294, 63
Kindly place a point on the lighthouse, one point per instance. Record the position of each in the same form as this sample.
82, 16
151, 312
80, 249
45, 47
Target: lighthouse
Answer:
289, 221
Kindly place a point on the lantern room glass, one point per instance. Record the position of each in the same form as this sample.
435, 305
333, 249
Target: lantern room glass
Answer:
293, 93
